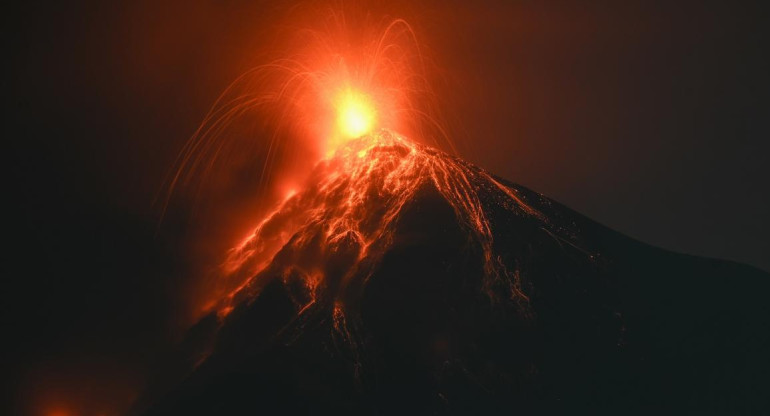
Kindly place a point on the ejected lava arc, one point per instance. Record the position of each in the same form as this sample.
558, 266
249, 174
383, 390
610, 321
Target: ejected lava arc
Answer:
327, 86
340, 85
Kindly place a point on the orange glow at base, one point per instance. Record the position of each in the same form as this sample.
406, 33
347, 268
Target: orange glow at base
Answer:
356, 115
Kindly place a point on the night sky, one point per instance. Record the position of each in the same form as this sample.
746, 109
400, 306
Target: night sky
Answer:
648, 117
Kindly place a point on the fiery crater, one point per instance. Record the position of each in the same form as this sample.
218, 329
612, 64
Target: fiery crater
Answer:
356, 114
329, 85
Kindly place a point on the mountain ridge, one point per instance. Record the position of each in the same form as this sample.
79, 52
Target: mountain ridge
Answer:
474, 295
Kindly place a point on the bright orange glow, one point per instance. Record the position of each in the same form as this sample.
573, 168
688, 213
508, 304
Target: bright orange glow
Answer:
342, 77
339, 77
356, 115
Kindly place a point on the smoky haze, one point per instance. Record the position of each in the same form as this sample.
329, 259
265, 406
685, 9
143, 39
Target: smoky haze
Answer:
648, 117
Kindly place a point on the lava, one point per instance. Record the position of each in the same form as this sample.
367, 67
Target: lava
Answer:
332, 82
333, 232
327, 109
348, 96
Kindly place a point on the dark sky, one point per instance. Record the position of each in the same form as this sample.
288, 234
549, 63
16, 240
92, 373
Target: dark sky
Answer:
647, 116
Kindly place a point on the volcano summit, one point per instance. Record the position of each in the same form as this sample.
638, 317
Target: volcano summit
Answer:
403, 279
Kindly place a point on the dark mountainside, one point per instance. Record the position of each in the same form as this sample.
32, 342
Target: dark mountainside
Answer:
581, 320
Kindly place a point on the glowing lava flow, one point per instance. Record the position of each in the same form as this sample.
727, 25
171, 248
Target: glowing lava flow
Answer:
331, 234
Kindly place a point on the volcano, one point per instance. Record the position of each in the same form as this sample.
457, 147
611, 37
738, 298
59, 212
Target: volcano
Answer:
401, 279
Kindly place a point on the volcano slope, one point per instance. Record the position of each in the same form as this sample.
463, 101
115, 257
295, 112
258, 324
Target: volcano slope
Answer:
404, 280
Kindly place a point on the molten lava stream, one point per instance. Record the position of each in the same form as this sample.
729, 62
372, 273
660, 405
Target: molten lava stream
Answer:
349, 208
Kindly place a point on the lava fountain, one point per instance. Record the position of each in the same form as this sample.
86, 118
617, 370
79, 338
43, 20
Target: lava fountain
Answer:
339, 81
344, 79
354, 99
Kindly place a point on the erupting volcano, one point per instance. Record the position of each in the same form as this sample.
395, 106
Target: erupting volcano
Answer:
397, 277
400, 277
